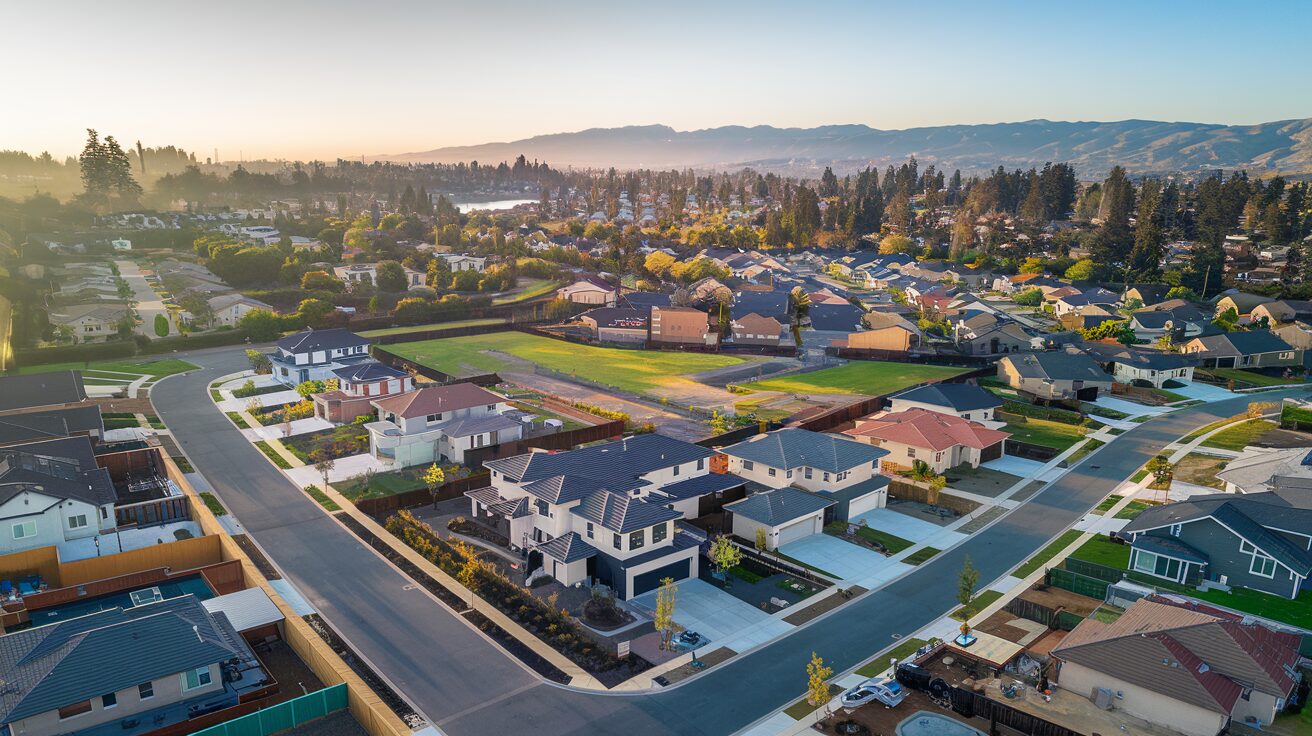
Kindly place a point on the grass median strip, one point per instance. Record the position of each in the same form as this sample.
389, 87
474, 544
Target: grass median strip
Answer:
981, 601
322, 498
921, 555
904, 649
273, 455
236, 419
1067, 538
213, 504
801, 709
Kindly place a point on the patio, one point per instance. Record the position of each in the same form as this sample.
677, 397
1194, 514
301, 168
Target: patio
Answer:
850, 563
718, 616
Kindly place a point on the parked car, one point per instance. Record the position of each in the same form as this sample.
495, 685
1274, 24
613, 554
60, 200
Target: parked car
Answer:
883, 689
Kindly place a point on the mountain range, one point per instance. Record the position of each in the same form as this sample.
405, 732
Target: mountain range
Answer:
1141, 146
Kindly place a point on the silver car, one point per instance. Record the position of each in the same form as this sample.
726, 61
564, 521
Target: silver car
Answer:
885, 690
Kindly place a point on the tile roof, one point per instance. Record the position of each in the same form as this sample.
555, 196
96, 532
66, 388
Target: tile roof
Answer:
625, 458
955, 396
41, 389
567, 548
779, 505
620, 513
309, 341
794, 448
928, 429
438, 399
700, 485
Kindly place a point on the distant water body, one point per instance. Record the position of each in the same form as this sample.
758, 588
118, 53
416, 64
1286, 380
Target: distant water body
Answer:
499, 204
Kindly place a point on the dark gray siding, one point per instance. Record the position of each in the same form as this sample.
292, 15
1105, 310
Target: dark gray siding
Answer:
1221, 547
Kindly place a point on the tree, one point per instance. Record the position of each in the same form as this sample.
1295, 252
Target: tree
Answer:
897, 243
801, 303
198, 306
725, 554
817, 681
1162, 471
761, 541
309, 388
321, 281
324, 464
391, 277
1029, 298
1031, 265
659, 263
433, 478
313, 311
666, 597
259, 361
1082, 270
161, 325
966, 582
719, 423
261, 324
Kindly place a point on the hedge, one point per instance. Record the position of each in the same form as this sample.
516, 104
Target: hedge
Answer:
220, 338
84, 353
1044, 412
161, 325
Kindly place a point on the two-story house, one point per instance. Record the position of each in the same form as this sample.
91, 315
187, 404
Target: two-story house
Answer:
357, 386
313, 355
158, 663
440, 423
53, 492
367, 273
835, 467
965, 400
598, 513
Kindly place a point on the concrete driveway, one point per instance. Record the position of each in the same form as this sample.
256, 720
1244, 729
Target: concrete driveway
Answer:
1013, 465
910, 528
717, 615
847, 561
1126, 407
1203, 391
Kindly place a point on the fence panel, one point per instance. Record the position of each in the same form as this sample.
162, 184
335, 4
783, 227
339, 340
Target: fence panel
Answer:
282, 716
1094, 570
1080, 584
1067, 621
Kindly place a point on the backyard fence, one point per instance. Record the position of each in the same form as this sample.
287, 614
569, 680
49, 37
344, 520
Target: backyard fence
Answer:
383, 507
432, 374
978, 705
1029, 451
1053, 618
439, 332
564, 440
1078, 584
922, 358
283, 716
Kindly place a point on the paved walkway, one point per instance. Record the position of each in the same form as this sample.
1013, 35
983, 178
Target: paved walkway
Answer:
149, 303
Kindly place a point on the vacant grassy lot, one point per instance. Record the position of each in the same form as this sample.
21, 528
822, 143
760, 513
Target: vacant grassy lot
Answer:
1240, 436
1102, 551
113, 369
857, 377
639, 371
437, 326
1201, 470
1042, 432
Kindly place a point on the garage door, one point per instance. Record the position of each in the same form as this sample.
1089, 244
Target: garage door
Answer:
796, 531
868, 502
649, 581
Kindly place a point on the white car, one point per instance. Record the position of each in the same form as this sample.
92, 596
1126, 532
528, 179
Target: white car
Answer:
884, 689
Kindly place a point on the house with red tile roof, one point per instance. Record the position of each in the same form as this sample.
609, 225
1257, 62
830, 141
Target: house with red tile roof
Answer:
943, 441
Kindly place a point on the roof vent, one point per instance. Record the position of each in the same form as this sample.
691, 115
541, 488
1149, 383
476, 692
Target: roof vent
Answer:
1202, 668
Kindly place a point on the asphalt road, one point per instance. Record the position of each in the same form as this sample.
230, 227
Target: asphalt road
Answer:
465, 685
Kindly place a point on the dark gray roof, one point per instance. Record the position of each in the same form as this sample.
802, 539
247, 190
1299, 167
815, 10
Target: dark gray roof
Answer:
467, 426
25, 428
956, 396
765, 303
567, 548
367, 372
40, 389
835, 317
312, 340
626, 318
56, 476
630, 457
622, 514
856, 490
1058, 365
1244, 343
794, 448
567, 488
1170, 547
779, 506
700, 486
48, 667
645, 300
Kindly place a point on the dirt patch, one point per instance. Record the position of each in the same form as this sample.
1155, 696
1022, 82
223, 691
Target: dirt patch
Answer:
261, 562
683, 672
1201, 470
821, 607
1054, 598
375, 683
999, 624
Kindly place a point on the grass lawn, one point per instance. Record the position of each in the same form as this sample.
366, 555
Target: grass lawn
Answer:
273, 455
1047, 553
532, 290
337, 442
105, 369
1257, 379
904, 649
1133, 509
213, 504
1107, 504
1102, 551
1140, 475
237, 419
920, 555
801, 709
1201, 470
1046, 433
857, 377
1297, 612
980, 602
639, 371
437, 326
322, 498
893, 544
1083, 451
1205, 429
1240, 436
389, 483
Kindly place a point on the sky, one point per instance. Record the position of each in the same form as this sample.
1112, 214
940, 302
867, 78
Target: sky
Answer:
326, 79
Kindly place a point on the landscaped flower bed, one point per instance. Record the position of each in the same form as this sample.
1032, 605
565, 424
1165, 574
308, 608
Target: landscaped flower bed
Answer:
338, 442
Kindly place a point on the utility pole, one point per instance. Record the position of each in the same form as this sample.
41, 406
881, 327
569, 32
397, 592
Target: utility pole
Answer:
1206, 276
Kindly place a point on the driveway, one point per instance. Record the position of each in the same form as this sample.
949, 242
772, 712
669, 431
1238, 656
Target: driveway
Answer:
1017, 466
717, 615
1126, 407
847, 561
148, 302
1203, 391
910, 528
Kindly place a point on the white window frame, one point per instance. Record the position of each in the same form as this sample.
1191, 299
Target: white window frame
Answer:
76, 517
1264, 559
22, 527
201, 674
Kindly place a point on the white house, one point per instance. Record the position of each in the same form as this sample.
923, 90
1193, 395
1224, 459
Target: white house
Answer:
440, 423
53, 492
313, 355
356, 273
228, 309
589, 290
785, 514
458, 262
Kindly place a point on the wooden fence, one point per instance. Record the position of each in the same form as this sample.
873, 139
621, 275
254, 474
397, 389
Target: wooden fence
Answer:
154, 511
565, 440
978, 705
385, 506
909, 491
432, 374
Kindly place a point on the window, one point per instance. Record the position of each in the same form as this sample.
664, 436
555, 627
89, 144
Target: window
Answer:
146, 690
1176, 529
108, 700
826, 476
911, 452
24, 529
1162, 567
659, 532
638, 539
773, 473
676, 470
790, 474
76, 709
491, 407
589, 530
77, 522
748, 465
433, 418
806, 473
615, 542
701, 463
541, 508
197, 678
1262, 565
938, 457
841, 476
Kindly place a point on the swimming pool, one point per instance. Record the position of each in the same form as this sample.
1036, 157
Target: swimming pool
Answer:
929, 723
191, 584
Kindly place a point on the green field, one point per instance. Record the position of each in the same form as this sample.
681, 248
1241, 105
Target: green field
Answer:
638, 371
857, 377
1042, 432
437, 326
110, 369
1257, 379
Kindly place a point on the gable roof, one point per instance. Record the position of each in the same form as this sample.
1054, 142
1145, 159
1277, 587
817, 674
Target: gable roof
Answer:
624, 318
58, 477
928, 429
835, 317
309, 341
368, 372
794, 448
700, 485
1058, 365
622, 514
438, 399
955, 396
567, 548
765, 303
629, 457
41, 389
779, 506
1249, 342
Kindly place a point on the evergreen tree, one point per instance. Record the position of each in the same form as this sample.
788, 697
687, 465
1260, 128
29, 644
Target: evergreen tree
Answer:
1146, 256
1115, 238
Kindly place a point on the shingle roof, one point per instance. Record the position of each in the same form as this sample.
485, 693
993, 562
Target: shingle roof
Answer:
835, 317
312, 340
469, 426
1058, 365
622, 514
927, 429
54, 476
1244, 343
629, 457
700, 485
779, 506
368, 372
955, 396
438, 399
41, 389
619, 317
567, 548
794, 448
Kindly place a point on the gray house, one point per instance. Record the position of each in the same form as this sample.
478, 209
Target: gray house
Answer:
1261, 541
1253, 349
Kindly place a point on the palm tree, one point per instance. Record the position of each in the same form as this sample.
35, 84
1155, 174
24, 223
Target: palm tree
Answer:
801, 303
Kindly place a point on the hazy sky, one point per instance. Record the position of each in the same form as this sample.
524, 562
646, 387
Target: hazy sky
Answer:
286, 78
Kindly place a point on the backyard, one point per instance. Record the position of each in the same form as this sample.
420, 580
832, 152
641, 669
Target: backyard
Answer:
378, 485
1102, 550
116, 372
1240, 376
857, 377
637, 371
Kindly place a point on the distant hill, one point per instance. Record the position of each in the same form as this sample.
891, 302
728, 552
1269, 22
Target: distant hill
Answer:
1142, 146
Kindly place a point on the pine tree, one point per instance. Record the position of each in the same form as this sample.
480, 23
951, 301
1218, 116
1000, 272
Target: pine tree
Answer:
1146, 256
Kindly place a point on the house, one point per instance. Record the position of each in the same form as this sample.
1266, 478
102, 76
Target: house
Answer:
440, 424
1147, 294
357, 386
228, 309
1242, 302
1189, 671
1055, 375
597, 514
157, 663
1251, 349
680, 325
367, 273
1254, 540
41, 390
965, 400
942, 441
589, 290
24, 425
1094, 297
888, 331
833, 466
755, 329
458, 263
52, 491
1088, 316
1298, 335
90, 322
313, 355
625, 325
986, 334
1183, 322
1140, 367
785, 514
1284, 310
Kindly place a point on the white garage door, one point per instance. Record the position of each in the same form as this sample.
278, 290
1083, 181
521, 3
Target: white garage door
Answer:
797, 530
868, 502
